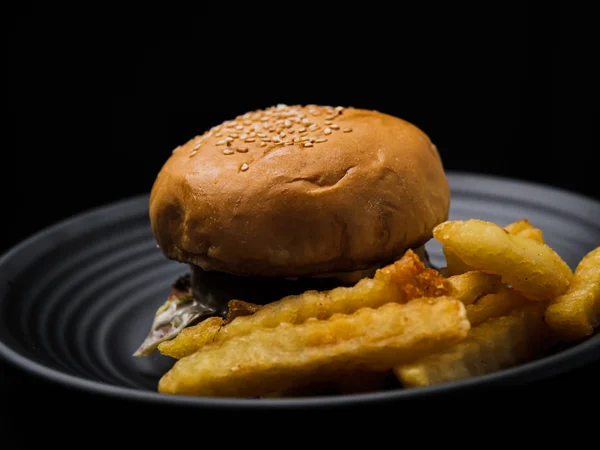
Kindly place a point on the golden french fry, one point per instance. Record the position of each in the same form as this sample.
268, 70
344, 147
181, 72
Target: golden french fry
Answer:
238, 308
518, 226
494, 305
533, 269
413, 278
192, 338
496, 344
454, 265
521, 227
534, 234
524, 228
470, 286
279, 358
399, 282
576, 313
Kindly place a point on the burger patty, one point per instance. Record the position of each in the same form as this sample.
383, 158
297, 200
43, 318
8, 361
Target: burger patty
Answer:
201, 294
216, 289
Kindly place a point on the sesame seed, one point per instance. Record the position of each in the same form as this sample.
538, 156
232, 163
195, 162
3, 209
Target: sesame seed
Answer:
331, 117
289, 143
306, 121
234, 135
327, 131
313, 127
296, 139
176, 149
347, 130
247, 122
321, 140
222, 142
308, 144
252, 134
304, 138
228, 151
264, 119
261, 135
249, 140
302, 130
239, 127
266, 139
218, 134
282, 133
229, 139
263, 144
328, 122
276, 139
193, 153
339, 109
312, 138
333, 126
243, 135
244, 167
197, 145
242, 149
287, 123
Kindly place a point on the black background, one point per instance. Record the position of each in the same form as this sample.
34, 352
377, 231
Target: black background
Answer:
96, 101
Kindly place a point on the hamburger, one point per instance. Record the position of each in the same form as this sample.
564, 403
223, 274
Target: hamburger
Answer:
287, 199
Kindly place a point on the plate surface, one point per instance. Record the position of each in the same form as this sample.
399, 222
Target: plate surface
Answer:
77, 299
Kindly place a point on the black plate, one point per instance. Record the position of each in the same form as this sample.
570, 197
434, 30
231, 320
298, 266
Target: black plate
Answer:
77, 299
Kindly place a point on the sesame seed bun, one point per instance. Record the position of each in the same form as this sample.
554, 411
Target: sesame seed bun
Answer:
299, 191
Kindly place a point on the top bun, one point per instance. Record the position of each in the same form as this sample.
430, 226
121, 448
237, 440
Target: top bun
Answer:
299, 191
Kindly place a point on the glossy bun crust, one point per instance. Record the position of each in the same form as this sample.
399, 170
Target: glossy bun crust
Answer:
299, 191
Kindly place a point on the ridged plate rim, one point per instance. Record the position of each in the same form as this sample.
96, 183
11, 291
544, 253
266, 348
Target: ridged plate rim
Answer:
571, 358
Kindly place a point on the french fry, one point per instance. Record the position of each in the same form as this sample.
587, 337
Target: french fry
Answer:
399, 282
470, 286
533, 269
279, 358
238, 308
496, 344
192, 338
576, 313
454, 265
494, 305
518, 226
524, 228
